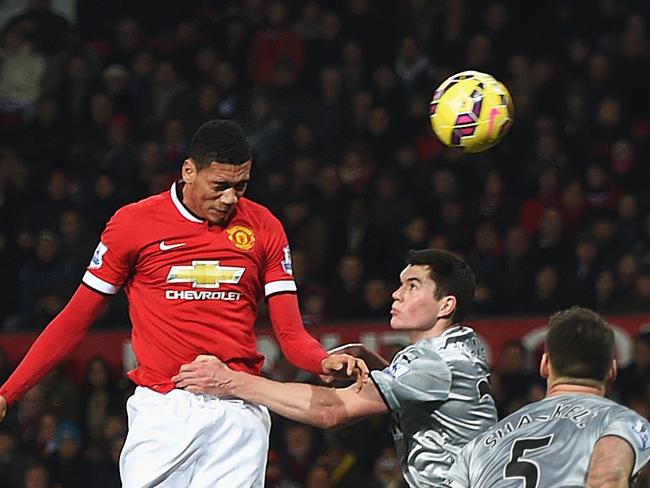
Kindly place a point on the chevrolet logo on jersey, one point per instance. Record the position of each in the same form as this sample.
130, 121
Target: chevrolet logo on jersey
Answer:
205, 274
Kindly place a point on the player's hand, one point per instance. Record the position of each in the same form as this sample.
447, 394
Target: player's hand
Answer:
344, 367
359, 350
3, 407
206, 374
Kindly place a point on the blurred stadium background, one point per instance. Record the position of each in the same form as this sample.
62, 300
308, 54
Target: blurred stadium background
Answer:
98, 100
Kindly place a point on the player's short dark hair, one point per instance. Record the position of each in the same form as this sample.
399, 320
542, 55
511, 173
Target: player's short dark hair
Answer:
220, 140
451, 274
580, 344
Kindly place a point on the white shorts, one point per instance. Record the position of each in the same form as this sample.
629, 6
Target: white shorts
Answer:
183, 440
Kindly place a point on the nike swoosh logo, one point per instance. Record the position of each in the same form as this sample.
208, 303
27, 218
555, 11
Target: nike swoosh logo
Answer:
494, 112
167, 247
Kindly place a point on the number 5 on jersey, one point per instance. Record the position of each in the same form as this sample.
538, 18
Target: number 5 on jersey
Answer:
520, 467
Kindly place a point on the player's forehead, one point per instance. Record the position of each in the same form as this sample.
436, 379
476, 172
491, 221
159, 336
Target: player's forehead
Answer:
227, 172
417, 272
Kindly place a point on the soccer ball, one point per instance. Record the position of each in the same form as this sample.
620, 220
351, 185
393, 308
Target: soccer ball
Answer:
471, 110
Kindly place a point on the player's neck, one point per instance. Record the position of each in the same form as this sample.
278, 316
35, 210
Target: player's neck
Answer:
437, 330
572, 386
181, 189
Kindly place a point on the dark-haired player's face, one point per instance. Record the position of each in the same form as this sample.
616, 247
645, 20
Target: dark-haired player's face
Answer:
415, 306
213, 192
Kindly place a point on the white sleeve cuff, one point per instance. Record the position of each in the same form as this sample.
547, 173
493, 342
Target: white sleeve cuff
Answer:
98, 284
279, 286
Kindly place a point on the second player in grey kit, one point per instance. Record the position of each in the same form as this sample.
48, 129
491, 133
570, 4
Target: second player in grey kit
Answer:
572, 438
436, 389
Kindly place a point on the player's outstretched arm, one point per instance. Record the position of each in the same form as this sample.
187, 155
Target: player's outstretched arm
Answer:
611, 464
319, 406
62, 335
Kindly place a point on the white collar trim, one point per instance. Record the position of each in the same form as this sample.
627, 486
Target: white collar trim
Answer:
181, 208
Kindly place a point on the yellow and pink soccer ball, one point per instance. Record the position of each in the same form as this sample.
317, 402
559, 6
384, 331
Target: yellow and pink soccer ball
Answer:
471, 111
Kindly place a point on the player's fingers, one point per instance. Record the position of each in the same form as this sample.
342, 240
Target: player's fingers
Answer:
186, 368
363, 368
185, 377
205, 357
338, 366
356, 366
358, 384
326, 378
352, 367
178, 377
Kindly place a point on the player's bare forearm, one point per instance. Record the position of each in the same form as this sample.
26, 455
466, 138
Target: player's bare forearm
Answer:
315, 405
611, 464
301, 402
608, 479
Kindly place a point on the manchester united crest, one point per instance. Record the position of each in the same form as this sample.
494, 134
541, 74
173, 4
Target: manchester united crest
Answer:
242, 237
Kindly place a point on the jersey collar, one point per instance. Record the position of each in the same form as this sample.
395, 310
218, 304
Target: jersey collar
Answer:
182, 209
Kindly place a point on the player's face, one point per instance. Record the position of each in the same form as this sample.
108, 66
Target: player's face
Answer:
213, 192
415, 306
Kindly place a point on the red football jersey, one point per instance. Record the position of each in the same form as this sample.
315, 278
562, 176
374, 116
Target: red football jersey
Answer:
193, 288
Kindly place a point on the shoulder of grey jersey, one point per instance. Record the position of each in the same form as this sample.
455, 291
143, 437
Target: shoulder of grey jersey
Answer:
461, 344
416, 373
570, 425
423, 371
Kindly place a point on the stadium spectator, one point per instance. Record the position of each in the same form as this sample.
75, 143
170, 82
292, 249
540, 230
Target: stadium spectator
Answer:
277, 42
21, 73
275, 477
66, 465
100, 398
512, 378
346, 300
607, 293
634, 379
386, 470
36, 476
300, 448
13, 462
47, 271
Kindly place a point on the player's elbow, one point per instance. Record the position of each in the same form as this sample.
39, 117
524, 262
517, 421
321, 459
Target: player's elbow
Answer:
330, 417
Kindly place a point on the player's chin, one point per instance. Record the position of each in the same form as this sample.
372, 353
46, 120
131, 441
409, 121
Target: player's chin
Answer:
218, 217
396, 322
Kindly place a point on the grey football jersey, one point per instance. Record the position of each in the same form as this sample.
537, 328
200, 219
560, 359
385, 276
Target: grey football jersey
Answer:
438, 393
548, 444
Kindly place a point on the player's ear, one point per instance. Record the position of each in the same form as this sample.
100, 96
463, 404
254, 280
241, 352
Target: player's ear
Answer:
544, 370
613, 372
448, 306
189, 170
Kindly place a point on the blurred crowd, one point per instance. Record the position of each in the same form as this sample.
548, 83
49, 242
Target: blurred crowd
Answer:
98, 101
